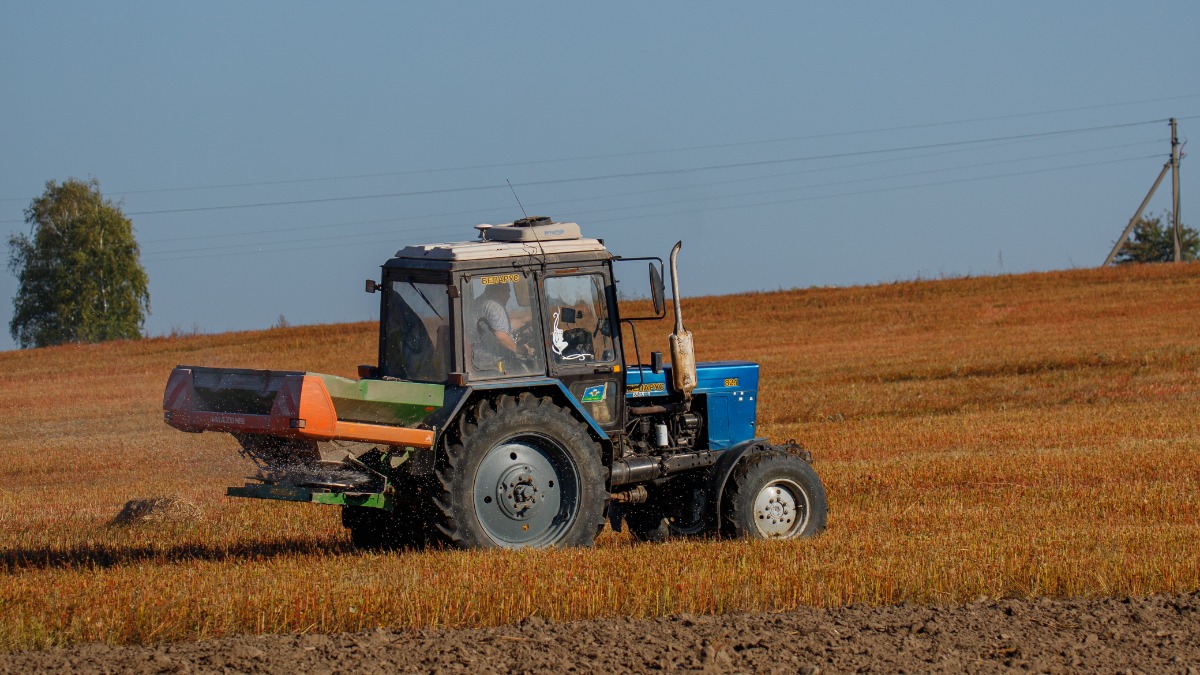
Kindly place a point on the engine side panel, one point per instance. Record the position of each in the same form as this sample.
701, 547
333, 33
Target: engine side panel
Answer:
729, 390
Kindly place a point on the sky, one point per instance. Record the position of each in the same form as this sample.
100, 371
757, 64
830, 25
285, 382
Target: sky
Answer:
273, 155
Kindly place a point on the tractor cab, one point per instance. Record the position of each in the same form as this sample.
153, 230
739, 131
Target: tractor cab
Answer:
529, 300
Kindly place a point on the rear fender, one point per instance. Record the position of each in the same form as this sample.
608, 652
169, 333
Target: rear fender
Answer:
721, 472
539, 387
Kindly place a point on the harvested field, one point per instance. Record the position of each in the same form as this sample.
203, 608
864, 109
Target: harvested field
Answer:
1015, 437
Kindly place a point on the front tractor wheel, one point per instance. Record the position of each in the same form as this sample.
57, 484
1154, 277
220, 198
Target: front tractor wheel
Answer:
775, 495
522, 472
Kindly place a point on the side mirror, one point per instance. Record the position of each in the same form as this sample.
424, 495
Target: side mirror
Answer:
656, 290
372, 286
631, 300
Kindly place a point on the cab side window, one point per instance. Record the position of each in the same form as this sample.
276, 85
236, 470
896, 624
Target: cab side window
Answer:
579, 326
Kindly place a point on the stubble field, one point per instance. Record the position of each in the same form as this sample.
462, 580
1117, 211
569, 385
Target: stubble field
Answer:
1011, 437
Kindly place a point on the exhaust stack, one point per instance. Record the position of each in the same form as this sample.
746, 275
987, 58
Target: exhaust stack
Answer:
683, 354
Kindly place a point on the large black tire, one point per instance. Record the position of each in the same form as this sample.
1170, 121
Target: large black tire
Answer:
376, 529
647, 523
775, 495
671, 511
650, 525
520, 471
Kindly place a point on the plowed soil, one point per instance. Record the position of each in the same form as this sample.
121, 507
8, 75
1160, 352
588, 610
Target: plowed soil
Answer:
1149, 635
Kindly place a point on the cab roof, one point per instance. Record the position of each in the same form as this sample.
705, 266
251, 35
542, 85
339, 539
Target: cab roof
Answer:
530, 240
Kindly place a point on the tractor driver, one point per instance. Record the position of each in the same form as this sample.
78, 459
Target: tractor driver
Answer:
494, 324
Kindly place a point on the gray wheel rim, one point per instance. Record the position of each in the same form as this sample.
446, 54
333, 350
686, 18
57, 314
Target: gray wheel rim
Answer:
781, 509
526, 492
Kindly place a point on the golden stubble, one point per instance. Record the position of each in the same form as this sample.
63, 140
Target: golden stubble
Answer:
1006, 436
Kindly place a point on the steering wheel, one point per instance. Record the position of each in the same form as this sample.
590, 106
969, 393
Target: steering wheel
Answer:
526, 335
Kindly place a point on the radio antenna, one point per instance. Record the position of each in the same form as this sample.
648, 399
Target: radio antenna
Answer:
541, 249
510, 187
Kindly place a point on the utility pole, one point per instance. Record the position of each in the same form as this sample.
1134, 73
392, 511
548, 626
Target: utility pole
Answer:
1173, 165
1175, 190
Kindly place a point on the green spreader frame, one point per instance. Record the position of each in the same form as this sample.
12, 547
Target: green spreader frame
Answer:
373, 500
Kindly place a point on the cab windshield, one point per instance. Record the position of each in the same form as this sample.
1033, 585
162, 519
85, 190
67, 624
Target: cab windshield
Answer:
417, 340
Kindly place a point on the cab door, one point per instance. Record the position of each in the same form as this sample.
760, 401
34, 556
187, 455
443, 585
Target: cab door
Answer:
583, 342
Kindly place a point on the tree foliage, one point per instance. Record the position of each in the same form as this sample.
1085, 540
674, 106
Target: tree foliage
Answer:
1154, 241
79, 271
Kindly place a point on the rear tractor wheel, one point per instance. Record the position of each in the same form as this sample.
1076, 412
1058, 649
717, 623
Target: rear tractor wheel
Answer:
775, 495
521, 472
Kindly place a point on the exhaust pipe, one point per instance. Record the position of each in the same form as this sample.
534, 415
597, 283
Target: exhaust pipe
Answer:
683, 354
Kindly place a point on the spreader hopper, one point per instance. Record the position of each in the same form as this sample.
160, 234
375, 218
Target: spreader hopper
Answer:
300, 406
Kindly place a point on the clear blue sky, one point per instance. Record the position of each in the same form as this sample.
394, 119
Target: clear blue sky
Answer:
162, 101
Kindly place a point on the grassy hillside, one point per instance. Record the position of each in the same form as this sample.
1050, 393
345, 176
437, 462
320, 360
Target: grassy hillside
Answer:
1022, 435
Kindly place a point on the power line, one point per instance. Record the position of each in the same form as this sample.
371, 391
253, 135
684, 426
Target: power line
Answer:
879, 190
334, 237
642, 174
870, 179
392, 239
276, 230
609, 195
639, 153
618, 208
661, 172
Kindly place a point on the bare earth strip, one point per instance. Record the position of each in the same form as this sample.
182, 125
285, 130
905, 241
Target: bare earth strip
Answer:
1159, 634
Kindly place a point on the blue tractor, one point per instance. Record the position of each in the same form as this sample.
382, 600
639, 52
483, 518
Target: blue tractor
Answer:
507, 409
